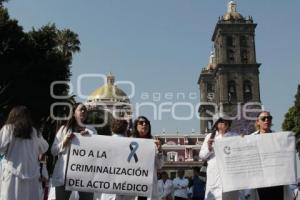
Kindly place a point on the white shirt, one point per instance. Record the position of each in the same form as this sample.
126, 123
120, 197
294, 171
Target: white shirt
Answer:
21, 157
213, 185
164, 188
20, 167
57, 149
180, 187
296, 194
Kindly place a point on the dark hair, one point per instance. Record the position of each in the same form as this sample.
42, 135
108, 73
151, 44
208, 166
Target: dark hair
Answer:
196, 169
71, 123
135, 132
119, 126
164, 173
20, 118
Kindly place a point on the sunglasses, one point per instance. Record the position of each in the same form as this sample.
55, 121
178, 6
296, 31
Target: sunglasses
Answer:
264, 118
142, 123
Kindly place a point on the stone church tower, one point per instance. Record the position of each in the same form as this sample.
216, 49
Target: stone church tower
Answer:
230, 82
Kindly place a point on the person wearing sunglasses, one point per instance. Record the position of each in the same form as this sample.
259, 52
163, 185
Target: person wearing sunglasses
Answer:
221, 129
263, 123
263, 126
142, 129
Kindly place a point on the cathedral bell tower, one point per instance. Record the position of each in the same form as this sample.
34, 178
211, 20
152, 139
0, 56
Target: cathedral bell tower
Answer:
231, 79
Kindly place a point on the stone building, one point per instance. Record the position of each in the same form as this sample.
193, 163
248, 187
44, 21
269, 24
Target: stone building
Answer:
230, 82
181, 151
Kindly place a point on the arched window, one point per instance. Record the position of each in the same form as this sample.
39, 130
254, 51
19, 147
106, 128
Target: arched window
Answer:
244, 56
229, 41
243, 41
231, 91
230, 55
172, 156
247, 91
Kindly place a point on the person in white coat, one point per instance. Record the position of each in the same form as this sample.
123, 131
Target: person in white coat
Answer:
165, 187
119, 129
213, 185
21, 144
180, 185
61, 146
263, 125
142, 129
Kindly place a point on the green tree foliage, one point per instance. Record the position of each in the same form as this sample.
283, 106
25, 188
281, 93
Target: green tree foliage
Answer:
292, 118
30, 62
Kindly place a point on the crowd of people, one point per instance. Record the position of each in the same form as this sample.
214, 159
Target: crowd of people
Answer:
23, 173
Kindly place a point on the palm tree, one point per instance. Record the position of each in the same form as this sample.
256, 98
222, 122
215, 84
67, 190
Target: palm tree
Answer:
68, 42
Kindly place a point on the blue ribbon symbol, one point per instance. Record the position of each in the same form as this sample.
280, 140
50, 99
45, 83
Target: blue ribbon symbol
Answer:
133, 148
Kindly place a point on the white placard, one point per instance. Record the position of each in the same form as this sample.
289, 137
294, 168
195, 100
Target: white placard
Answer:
256, 161
108, 164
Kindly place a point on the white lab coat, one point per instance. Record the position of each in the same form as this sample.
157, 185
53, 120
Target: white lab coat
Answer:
213, 185
57, 149
20, 167
164, 189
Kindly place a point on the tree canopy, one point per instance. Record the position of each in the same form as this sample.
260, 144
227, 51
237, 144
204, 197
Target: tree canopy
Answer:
292, 118
30, 62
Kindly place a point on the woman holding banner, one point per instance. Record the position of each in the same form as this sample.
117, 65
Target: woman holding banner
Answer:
142, 129
263, 125
61, 146
21, 145
221, 128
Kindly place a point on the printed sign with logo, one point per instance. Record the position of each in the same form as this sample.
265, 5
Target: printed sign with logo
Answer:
108, 164
256, 161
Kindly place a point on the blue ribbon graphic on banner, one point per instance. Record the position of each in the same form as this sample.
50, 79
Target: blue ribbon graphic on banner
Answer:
133, 148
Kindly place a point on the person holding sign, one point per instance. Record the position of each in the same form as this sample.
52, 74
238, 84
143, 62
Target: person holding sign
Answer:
142, 129
221, 126
61, 147
21, 145
263, 126
119, 128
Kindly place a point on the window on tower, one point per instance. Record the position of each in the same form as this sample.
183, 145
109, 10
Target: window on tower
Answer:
243, 41
244, 56
247, 91
230, 56
231, 91
229, 41
209, 88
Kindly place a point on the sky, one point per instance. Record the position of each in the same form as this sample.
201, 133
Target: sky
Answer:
157, 48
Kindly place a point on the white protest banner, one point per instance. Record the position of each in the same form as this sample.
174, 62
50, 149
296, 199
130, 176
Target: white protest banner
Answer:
109, 164
256, 161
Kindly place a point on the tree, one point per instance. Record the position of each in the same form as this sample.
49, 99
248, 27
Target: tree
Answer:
30, 62
3, 1
292, 119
